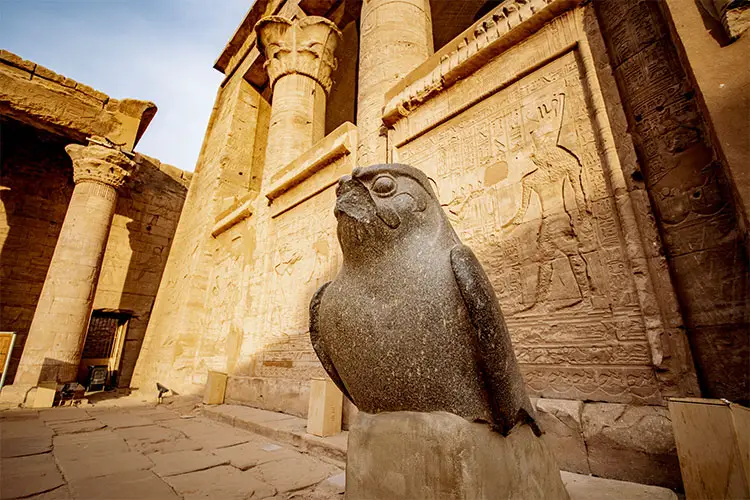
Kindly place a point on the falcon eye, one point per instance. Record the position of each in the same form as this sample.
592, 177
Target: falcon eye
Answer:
384, 186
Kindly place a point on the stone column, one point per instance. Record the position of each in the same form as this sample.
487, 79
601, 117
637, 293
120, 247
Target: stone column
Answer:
395, 38
58, 329
299, 62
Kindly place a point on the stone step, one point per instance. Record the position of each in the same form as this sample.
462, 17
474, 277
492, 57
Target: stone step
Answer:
293, 430
280, 427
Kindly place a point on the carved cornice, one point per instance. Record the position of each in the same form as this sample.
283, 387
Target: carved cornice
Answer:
100, 164
303, 46
509, 23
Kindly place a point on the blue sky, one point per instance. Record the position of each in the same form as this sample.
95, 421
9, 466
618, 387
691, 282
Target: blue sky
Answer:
156, 50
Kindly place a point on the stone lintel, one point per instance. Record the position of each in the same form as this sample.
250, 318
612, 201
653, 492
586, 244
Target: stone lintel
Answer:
302, 46
507, 25
99, 164
37, 96
332, 150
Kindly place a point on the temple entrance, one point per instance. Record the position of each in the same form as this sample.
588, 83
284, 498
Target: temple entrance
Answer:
102, 350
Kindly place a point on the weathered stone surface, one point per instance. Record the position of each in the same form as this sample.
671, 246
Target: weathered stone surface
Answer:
248, 455
25, 476
76, 426
307, 471
80, 464
210, 436
440, 455
24, 437
582, 487
560, 421
181, 462
123, 420
439, 341
25, 445
141, 484
631, 443
53, 102
60, 415
144, 436
221, 482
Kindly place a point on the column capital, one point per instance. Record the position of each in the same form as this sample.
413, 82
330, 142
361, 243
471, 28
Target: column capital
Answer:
303, 46
100, 164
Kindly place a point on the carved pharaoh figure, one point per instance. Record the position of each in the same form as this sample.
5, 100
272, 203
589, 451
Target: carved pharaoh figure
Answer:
561, 225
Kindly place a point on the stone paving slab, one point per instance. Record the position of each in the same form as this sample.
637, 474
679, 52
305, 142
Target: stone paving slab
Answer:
225, 483
61, 493
181, 444
25, 445
85, 466
74, 427
581, 487
140, 484
62, 414
207, 433
148, 434
120, 420
307, 472
25, 476
248, 455
103, 442
181, 462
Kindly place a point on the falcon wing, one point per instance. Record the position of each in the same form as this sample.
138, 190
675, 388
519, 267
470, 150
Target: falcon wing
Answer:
318, 343
508, 401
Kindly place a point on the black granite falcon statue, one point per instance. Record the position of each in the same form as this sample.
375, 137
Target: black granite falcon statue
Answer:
411, 322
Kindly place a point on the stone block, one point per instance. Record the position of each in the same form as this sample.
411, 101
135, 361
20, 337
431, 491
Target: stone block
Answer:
293, 473
222, 482
141, 484
631, 443
582, 487
216, 387
561, 422
44, 396
181, 462
248, 455
324, 409
441, 455
25, 476
289, 396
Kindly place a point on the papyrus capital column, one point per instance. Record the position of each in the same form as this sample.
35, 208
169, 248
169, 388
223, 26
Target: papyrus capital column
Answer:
300, 61
55, 341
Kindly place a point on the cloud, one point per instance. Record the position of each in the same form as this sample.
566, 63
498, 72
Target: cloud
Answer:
162, 51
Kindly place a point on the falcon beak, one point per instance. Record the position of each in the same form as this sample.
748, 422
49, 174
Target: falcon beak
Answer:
353, 199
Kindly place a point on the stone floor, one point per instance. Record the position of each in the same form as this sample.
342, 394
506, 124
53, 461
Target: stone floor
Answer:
130, 448
148, 452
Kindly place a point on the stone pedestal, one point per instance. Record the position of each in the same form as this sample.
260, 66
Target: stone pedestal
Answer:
57, 333
299, 62
396, 37
431, 456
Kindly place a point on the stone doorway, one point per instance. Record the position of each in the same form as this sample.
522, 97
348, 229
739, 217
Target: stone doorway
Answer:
104, 345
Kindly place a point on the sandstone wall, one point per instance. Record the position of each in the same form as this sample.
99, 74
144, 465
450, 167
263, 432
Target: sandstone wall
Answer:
35, 186
189, 334
543, 166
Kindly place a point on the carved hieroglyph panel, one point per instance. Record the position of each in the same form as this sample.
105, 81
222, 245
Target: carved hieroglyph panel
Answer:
303, 254
521, 179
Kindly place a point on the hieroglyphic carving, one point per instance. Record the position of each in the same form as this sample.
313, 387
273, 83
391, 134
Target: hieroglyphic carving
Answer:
521, 178
303, 254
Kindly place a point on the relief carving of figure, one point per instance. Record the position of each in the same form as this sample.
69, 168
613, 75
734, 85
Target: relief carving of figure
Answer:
561, 225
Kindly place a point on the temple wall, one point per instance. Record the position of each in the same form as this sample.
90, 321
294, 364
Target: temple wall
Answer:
193, 327
35, 186
546, 129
